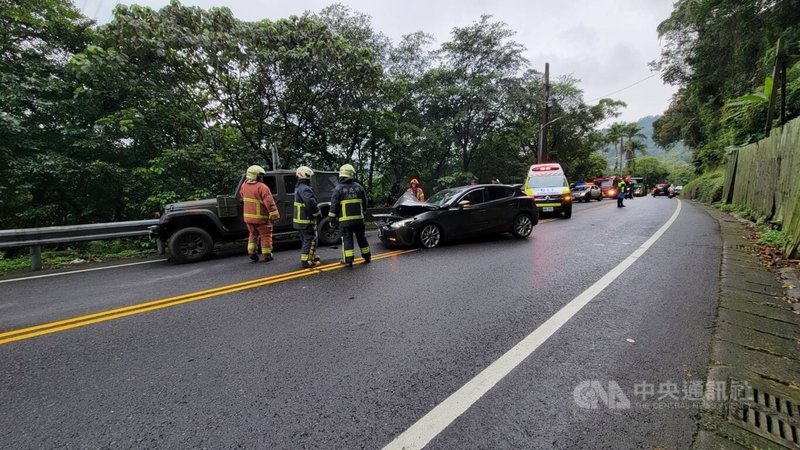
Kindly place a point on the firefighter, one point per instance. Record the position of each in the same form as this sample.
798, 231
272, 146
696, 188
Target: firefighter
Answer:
415, 190
306, 216
348, 203
259, 213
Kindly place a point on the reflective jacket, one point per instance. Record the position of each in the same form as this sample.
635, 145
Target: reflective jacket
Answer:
418, 194
306, 210
259, 206
348, 202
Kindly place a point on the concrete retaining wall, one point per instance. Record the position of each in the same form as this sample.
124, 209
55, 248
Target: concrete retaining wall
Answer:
765, 178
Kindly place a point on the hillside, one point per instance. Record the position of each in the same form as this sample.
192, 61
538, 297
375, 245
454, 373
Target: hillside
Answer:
676, 153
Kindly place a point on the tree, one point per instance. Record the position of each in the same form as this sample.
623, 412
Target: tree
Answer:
633, 133
718, 50
36, 39
479, 62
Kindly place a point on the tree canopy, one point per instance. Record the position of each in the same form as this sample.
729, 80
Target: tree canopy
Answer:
110, 122
717, 52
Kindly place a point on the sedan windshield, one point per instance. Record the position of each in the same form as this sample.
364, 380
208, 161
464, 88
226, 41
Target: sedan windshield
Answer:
580, 188
443, 197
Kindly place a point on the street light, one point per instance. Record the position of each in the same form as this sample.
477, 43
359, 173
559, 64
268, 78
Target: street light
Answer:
541, 138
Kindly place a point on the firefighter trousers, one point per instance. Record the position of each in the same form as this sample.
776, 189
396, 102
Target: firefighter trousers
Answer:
308, 238
347, 242
259, 232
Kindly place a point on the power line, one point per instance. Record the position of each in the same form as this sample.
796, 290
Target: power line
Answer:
626, 87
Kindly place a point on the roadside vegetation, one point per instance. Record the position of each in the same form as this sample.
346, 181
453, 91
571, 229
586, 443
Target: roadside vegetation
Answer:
76, 254
110, 122
706, 188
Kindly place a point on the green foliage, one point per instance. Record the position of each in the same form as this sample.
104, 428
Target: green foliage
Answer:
111, 122
76, 253
727, 207
721, 53
706, 188
774, 238
651, 169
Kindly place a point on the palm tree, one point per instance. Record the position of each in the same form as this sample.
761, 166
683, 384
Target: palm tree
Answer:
614, 136
633, 132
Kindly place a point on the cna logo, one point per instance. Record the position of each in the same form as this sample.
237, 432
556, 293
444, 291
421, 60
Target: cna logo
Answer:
592, 394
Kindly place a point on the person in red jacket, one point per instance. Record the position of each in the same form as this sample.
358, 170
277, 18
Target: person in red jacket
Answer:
259, 213
415, 190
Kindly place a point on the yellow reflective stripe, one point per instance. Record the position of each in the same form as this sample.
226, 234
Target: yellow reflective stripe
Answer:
547, 204
364, 250
273, 213
345, 217
349, 253
251, 246
298, 212
258, 214
303, 257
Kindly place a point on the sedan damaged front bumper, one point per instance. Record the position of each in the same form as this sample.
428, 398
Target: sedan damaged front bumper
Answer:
396, 233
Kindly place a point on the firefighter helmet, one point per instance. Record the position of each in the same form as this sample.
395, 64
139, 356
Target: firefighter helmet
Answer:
347, 171
304, 173
253, 172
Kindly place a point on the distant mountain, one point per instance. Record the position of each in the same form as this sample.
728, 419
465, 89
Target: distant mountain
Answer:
675, 154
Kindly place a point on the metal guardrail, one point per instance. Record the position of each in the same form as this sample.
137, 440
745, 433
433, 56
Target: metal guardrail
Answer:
35, 238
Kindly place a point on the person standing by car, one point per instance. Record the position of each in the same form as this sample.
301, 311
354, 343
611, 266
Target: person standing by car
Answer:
621, 195
306, 216
348, 202
415, 190
259, 213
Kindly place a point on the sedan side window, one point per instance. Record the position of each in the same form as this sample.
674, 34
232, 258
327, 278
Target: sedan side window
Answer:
474, 197
498, 192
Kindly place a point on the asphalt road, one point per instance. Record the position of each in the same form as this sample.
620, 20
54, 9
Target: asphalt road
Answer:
351, 358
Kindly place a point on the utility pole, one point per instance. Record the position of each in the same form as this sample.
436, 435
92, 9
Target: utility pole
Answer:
276, 162
542, 129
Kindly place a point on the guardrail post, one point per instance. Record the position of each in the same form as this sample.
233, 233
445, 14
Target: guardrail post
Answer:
36, 257
159, 246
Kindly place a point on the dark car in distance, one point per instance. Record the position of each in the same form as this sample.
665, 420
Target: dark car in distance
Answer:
458, 213
660, 189
586, 193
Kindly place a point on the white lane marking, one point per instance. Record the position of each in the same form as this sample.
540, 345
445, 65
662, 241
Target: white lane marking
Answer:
443, 414
81, 271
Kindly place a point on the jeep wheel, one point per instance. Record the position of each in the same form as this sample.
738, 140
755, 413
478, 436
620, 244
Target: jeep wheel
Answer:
190, 245
328, 234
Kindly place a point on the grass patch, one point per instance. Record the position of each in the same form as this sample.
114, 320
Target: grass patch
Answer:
706, 188
727, 207
774, 238
20, 259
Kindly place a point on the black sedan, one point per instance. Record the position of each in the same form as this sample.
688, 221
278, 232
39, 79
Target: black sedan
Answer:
458, 213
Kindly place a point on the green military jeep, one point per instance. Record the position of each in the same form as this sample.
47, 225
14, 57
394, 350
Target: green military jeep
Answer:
190, 229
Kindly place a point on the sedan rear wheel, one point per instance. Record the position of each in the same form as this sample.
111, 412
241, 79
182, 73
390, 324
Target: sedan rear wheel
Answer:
523, 226
430, 236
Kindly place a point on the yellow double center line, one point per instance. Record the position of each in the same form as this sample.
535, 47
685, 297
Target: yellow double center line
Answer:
104, 316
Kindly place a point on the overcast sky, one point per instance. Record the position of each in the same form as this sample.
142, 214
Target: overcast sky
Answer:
604, 43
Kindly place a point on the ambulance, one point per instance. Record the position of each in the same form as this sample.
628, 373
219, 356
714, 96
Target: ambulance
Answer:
548, 185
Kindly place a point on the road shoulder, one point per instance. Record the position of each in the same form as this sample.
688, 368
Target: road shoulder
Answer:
753, 390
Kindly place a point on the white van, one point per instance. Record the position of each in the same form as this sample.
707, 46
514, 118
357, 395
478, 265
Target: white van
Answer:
548, 185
